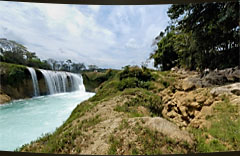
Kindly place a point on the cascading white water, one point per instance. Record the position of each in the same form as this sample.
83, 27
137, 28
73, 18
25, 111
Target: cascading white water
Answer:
34, 81
22, 121
58, 81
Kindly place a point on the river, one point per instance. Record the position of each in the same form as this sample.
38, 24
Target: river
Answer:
22, 121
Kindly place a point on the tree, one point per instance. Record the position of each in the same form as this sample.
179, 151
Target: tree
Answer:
13, 52
165, 55
201, 35
92, 67
68, 63
30, 55
214, 27
77, 67
65, 67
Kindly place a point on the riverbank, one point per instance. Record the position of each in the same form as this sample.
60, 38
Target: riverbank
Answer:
140, 111
17, 83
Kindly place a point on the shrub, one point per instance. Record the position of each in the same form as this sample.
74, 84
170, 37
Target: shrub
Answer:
145, 98
140, 74
135, 77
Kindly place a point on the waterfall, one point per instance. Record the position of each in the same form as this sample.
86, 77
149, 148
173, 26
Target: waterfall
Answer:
59, 81
34, 81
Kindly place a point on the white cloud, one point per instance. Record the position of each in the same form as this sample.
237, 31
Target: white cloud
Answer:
108, 36
94, 8
132, 43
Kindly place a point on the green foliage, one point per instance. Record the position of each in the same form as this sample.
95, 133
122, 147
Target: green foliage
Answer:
224, 129
165, 55
132, 111
135, 77
118, 81
93, 80
144, 98
136, 72
140, 97
37, 63
115, 143
77, 67
18, 54
107, 90
14, 74
196, 40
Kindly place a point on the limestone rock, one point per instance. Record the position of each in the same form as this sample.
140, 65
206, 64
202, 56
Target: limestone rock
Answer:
166, 98
194, 105
187, 85
227, 89
4, 98
183, 110
200, 98
208, 102
172, 114
168, 128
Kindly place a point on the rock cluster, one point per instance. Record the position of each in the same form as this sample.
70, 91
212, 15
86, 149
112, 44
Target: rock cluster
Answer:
183, 107
209, 78
187, 103
4, 98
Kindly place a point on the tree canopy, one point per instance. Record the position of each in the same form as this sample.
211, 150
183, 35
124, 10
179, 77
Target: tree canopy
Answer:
13, 52
199, 36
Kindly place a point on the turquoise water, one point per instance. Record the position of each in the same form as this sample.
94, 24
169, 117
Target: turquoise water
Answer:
23, 121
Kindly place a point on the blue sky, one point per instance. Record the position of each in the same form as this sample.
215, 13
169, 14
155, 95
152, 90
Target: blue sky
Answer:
108, 36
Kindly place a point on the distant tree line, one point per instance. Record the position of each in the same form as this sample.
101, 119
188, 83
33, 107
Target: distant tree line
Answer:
199, 36
13, 52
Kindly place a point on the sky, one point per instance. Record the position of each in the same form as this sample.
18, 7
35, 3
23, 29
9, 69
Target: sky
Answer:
106, 36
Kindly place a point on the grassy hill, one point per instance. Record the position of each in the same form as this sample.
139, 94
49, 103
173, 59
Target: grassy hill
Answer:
142, 111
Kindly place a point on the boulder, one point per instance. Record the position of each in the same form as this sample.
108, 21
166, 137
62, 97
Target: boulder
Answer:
227, 89
221, 77
168, 128
4, 98
187, 85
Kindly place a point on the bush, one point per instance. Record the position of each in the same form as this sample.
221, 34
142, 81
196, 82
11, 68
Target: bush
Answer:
128, 83
14, 74
145, 98
140, 74
135, 77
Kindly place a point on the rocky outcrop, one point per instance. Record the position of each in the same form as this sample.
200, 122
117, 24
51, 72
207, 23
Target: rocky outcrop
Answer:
187, 103
208, 78
4, 98
16, 82
227, 89
220, 77
182, 107
167, 128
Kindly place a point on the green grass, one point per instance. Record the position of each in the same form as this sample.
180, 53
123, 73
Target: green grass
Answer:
14, 74
115, 144
224, 129
93, 80
140, 97
146, 99
63, 139
132, 111
147, 142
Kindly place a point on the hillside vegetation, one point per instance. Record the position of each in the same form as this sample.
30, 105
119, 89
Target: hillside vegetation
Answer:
130, 114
